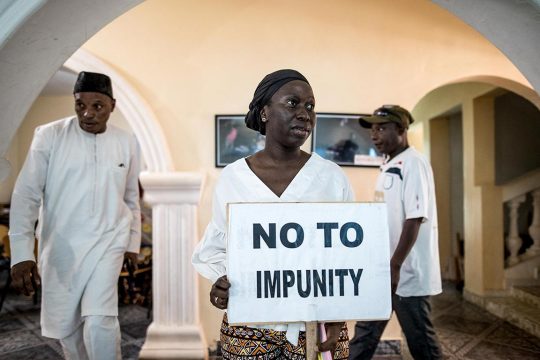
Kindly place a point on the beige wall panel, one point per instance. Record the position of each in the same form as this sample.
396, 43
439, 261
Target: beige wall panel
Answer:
440, 159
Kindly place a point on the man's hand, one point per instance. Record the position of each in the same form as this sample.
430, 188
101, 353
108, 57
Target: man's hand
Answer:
133, 258
219, 294
332, 336
407, 239
394, 276
25, 277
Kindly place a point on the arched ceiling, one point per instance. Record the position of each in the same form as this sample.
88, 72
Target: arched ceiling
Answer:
513, 26
51, 31
34, 50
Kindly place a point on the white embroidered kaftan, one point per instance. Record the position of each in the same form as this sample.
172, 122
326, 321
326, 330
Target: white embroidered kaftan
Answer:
318, 181
87, 188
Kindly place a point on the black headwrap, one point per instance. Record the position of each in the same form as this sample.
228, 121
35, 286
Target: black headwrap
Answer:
264, 92
93, 82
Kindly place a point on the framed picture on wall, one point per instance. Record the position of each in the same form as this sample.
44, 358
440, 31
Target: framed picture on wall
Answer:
234, 140
341, 139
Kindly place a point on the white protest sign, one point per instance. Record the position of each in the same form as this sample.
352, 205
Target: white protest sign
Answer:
290, 262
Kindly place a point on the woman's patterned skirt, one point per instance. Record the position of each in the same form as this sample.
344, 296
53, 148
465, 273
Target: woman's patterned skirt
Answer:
247, 343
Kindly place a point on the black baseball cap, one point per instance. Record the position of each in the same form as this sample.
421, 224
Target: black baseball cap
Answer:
386, 114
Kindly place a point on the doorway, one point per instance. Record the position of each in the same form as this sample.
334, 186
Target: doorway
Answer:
446, 141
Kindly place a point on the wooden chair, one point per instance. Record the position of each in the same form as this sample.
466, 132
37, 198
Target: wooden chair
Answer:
135, 286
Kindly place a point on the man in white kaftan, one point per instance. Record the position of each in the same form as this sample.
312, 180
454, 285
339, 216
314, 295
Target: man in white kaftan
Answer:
81, 175
319, 180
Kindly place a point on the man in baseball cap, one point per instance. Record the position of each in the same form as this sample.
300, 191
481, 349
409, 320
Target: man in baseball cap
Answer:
406, 185
388, 113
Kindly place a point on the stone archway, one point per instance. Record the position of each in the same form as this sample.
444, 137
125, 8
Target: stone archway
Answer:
518, 88
483, 199
512, 26
137, 112
495, 81
35, 47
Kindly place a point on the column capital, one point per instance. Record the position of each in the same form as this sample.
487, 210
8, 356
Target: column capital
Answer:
171, 187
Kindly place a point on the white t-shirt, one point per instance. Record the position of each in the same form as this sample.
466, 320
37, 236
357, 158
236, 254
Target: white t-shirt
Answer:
406, 185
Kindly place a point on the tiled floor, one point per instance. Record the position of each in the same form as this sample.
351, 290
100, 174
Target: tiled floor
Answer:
469, 332
20, 336
465, 331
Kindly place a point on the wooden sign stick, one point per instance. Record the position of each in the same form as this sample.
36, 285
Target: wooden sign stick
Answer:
311, 340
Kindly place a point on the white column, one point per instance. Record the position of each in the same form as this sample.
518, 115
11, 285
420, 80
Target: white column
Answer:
534, 229
175, 332
513, 241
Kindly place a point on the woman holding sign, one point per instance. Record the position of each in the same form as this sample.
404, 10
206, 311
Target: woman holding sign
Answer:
283, 109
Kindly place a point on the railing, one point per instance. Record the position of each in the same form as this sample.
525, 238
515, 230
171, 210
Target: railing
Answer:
514, 195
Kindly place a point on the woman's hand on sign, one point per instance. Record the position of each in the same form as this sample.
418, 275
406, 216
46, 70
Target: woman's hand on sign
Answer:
219, 295
332, 336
